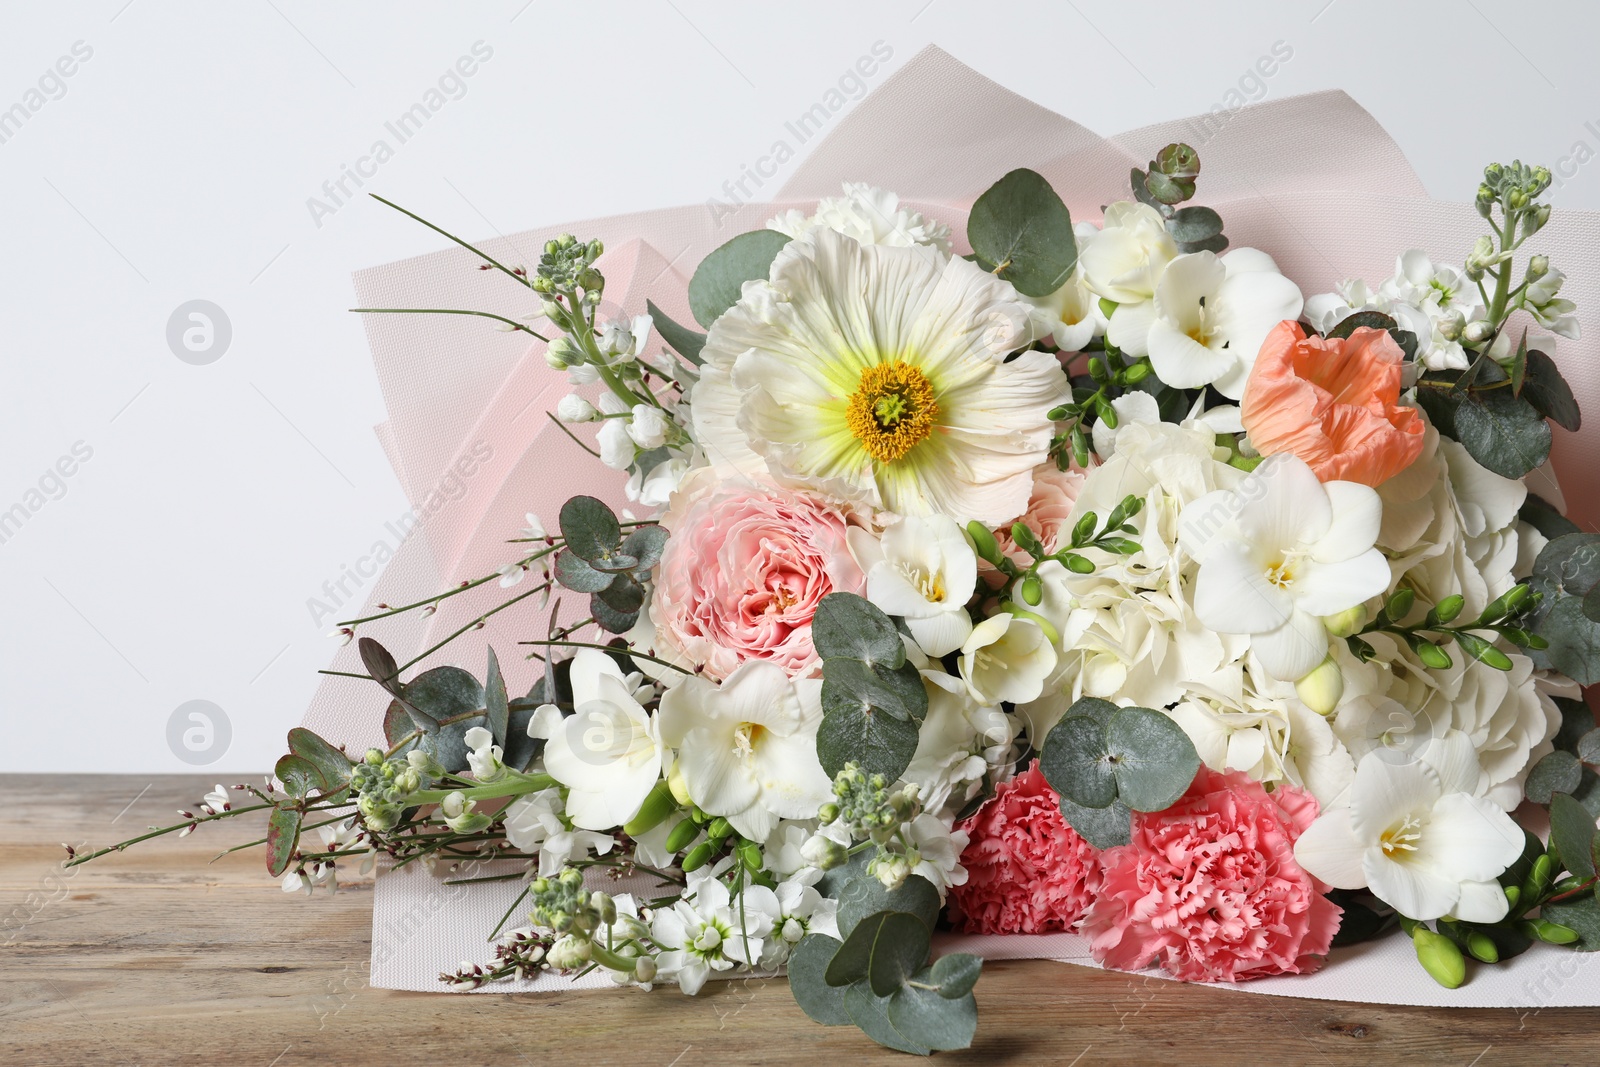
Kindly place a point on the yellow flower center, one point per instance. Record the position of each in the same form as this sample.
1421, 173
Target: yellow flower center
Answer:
892, 410
746, 737
1404, 837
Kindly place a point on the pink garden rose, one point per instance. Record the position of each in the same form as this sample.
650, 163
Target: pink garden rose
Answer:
744, 569
1210, 888
1028, 872
1049, 513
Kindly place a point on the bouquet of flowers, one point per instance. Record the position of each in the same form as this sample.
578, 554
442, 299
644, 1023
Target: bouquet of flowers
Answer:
1071, 576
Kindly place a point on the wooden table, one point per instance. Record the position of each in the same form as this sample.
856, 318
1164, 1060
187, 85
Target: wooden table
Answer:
156, 956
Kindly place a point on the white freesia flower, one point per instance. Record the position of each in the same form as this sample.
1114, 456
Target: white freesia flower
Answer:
1209, 317
709, 930
483, 755
747, 749
960, 741
1417, 837
866, 214
881, 375
535, 822
608, 752
923, 570
1278, 553
1006, 658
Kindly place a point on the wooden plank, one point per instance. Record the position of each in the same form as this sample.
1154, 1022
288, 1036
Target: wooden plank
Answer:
157, 956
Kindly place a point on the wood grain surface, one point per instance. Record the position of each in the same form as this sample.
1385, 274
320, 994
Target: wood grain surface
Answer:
157, 956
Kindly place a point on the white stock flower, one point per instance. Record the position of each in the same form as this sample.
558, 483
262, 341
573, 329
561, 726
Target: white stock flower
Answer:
654, 488
1417, 837
938, 846
924, 571
1433, 302
801, 911
1555, 313
483, 755
709, 930
1278, 553
608, 752
574, 408
1006, 659
747, 749
1208, 318
881, 376
866, 214
535, 822
617, 447
648, 427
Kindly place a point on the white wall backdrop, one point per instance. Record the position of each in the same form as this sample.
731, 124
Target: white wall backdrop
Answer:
172, 509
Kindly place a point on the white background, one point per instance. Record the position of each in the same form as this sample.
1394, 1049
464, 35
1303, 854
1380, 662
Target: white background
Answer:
177, 562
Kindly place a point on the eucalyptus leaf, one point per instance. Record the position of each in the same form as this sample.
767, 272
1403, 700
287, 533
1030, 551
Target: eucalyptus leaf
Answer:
397, 724
624, 594
1572, 833
1075, 761
719, 280
380, 664
898, 693
1549, 393
955, 974
519, 747
924, 1017
850, 627
870, 1012
590, 528
1372, 320
645, 544
864, 895
1577, 719
1574, 641
300, 777
807, 967
684, 341
901, 951
495, 704
283, 833
1154, 759
331, 762
575, 573
609, 618
879, 743
854, 958
1589, 747
1190, 224
1543, 516
1021, 231
445, 693
1103, 828
1557, 772
1502, 432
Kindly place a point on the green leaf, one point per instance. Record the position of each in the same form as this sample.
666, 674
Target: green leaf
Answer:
1574, 641
1557, 772
1542, 516
955, 974
609, 618
283, 833
1372, 320
1502, 432
1518, 371
901, 951
445, 693
330, 762
495, 704
1153, 758
380, 664
1191, 224
849, 626
1022, 232
1102, 827
870, 1012
397, 724
881, 744
807, 967
923, 1017
645, 544
1591, 604
884, 933
684, 341
1572, 834
300, 777
1581, 913
863, 896
624, 594
575, 573
1577, 719
720, 278
1549, 392
850, 683
1589, 747
590, 528
1440, 405
1517, 873
1075, 761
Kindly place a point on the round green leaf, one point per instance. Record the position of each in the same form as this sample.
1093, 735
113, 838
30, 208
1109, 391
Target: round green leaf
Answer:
575, 573
1589, 747
922, 1016
645, 544
1191, 224
870, 1012
300, 777
1572, 835
684, 341
1557, 772
1574, 641
590, 529
1549, 393
864, 896
881, 744
901, 950
1153, 758
720, 278
807, 966
1502, 432
847, 626
1101, 827
899, 693
1020, 230
955, 974
1075, 761
283, 832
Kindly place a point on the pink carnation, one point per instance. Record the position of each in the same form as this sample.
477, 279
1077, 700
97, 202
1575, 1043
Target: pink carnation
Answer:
1210, 887
1028, 872
744, 570
1049, 513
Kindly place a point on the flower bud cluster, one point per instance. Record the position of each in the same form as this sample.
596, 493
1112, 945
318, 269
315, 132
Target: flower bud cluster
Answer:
382, 785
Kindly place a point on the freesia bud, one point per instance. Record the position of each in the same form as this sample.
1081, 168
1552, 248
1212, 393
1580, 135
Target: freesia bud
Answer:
1321, 689
1347, 622
1440, 957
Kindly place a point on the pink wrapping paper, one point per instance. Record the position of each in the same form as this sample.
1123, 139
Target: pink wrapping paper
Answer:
1313, 180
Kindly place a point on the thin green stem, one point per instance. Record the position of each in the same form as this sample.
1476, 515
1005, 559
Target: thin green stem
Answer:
606, 648
453, 311
425, 653
563, 427
495, 263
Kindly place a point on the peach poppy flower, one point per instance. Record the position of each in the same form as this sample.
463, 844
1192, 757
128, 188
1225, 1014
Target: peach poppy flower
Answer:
1334, 403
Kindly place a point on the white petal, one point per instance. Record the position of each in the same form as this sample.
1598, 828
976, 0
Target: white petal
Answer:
1233, 596
1414, 891
1129, 327
1481, 902
1294, 649
1285, 506
943, 633
1328, 850
1357, 515
1469, 839
1329, 588
1182, 362
1386, 792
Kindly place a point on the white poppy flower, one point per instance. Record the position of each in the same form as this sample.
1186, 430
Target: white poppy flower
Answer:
608, 752
747, 749
1210, 315
1006, 659
924, 571
1278, 553
1416, 836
